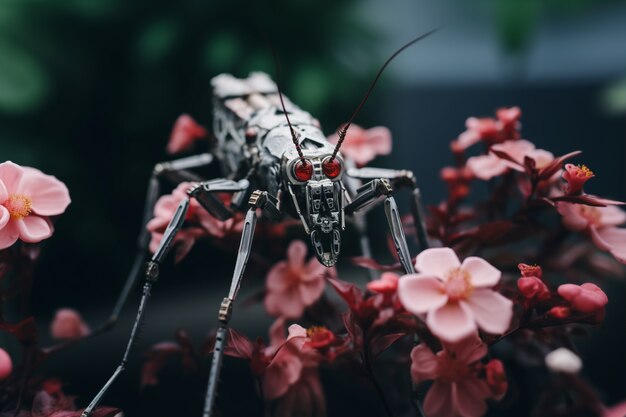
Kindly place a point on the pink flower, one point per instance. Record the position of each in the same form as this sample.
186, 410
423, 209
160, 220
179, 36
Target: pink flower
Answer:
456, 298
293, 284
6, 365
598, 222
587, 298
387, 284
185, 133
618, 410
319, 337
576, 177
68, 324
292, 373
458, 390
559, 312
489, 130
363, 145
458, 180
27, 198
532, 288
491, 165
496, 378
530, 270
198, 222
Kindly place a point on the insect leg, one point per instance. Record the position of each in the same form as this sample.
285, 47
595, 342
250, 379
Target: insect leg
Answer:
151, 275
371, 193
172, 172
257, 200
205, 194
360, 223
399, 179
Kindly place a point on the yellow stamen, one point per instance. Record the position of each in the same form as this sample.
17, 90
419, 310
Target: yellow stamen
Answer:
19, 206
311, 331
586, 171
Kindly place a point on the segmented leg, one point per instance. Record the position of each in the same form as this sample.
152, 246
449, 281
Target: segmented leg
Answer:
225, 310
397, 234
151, 275
173, 172
399, 179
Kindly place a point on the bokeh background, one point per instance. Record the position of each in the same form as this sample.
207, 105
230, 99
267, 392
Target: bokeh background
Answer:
89, 90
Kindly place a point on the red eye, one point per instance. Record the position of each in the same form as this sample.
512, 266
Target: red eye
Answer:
303, 170
331, 168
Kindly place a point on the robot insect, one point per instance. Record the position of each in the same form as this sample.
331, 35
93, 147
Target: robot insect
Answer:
275, 159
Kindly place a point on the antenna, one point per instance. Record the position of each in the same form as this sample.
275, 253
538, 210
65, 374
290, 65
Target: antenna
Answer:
344, 129
294, 135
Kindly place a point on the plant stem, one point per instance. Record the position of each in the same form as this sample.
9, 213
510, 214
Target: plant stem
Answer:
379, 390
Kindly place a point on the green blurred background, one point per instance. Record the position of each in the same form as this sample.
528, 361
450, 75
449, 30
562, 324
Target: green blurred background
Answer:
89, 90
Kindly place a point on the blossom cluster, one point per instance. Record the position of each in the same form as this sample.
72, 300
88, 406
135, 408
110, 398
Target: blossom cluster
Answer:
505, 282
445, 317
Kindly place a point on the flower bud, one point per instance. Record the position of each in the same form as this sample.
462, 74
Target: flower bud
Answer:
387, 284
559, 312
532, 288
587, 298
68, 324
496, 378
6, 365
563, 360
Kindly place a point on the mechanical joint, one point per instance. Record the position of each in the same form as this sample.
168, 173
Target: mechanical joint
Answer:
152, 271
226, 308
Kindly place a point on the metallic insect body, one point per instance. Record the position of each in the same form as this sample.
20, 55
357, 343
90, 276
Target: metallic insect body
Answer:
274, 159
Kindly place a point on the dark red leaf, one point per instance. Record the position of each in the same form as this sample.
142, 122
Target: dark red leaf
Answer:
354, 330
238, 345
99, 412
379, 344
25, 331
156, 358
351, 294
506, 156
370, 263
556, 165
529, 164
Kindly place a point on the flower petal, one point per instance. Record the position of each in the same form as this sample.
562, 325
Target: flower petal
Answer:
34, 229
285, 303
424, 364
4, 194
421, 293
611, 216
469, 350
491, 310
4, 216
482, 273
277, 333
283, 371
452, 322
11, 175
296, 254
468, 397
311, 291
9, 235
438, 402
612, 239
379, 139
277, 277
437, 261
50, 196
486, 167
572, 216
